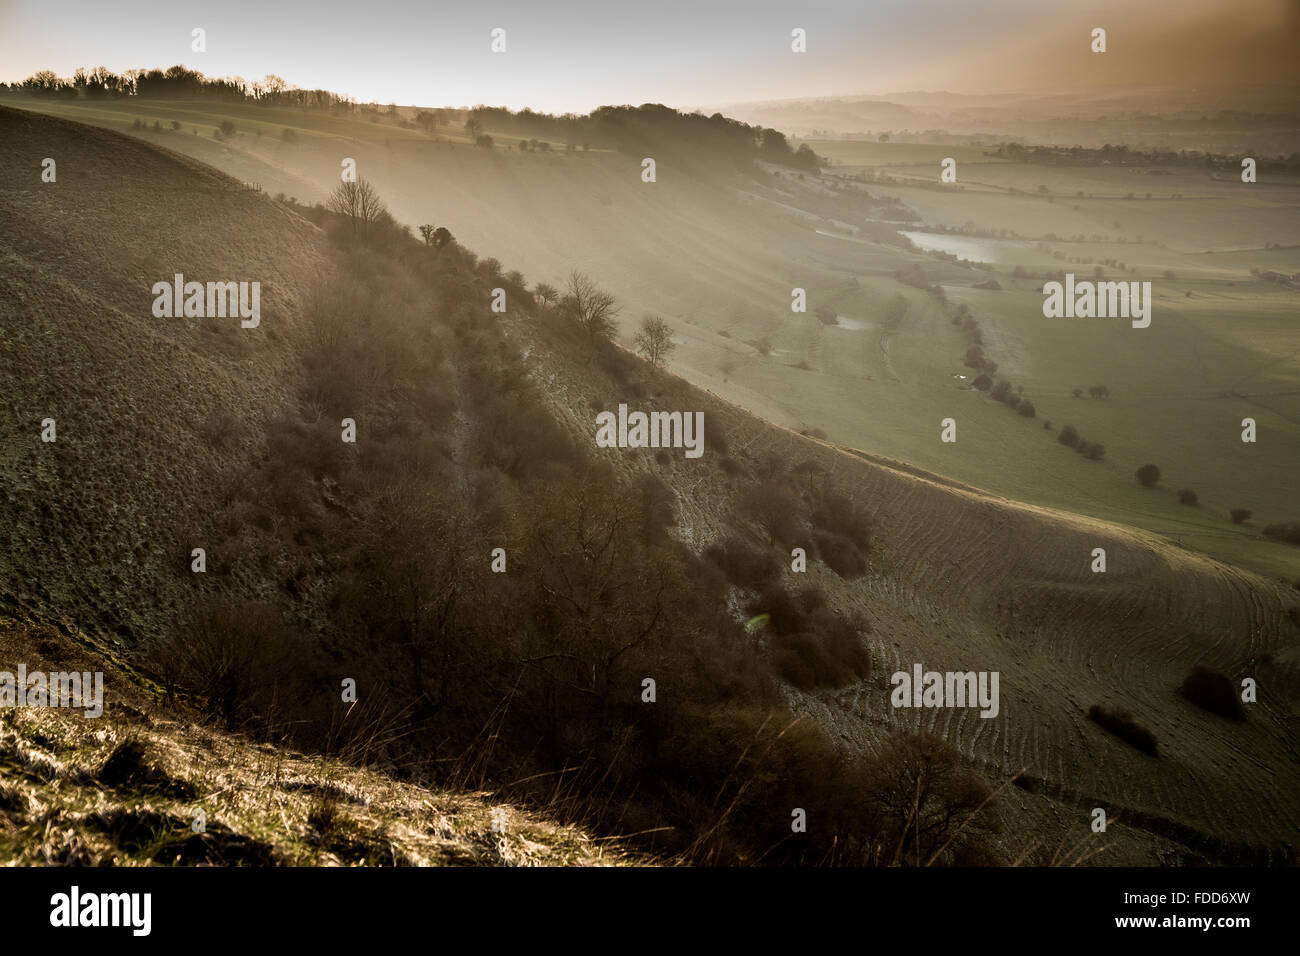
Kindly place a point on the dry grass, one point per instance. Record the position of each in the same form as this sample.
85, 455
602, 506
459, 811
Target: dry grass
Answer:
124, 790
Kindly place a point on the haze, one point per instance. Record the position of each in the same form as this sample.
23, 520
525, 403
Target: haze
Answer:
574, 55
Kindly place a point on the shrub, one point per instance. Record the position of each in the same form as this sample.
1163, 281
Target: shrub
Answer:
983, 383
833, 512
1027, 409
714, 435
928, 802
840, 554
1092, 450
1240, 515
1122, 725
743, 565
1068, 436
812, 660
1288, 532
1212, 691
784, 615
1187, 496
1147, 475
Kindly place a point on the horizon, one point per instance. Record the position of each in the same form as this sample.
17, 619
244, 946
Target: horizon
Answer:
850, 53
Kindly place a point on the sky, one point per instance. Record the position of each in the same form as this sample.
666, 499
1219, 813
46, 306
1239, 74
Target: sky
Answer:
573, 55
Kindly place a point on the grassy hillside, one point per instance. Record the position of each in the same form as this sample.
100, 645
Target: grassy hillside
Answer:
718, 255
128, 790
134, 398
374, 562
964, 580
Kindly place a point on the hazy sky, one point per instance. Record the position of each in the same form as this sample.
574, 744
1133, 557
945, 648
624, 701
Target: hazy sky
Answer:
577, 54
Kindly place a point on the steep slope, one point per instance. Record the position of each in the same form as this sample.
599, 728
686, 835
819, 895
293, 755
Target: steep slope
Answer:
93, 519
962, 580
99, 521
718, 253
145, 785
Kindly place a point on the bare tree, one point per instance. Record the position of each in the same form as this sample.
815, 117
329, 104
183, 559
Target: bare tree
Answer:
358, 203
591, 308
546, 293
929, 802
654, 340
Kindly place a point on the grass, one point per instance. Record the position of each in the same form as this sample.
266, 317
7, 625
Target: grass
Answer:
126, 790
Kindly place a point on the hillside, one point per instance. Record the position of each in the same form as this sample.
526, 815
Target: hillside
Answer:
717, 252
133, 397
372, 562
964, 580
150, 786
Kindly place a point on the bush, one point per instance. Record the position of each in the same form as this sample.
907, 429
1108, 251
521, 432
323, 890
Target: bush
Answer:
1147, 475
715, 437
774, 509
1288, 532
1092, 450
983, 383
840, 554
1187, 497
810, 660
744, 566
1240, 515
1027, 409
1212, 691
928, 802
1122, 725
833, 512
1069, 436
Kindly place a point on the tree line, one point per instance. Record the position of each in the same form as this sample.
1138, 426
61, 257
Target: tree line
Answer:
625, 128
